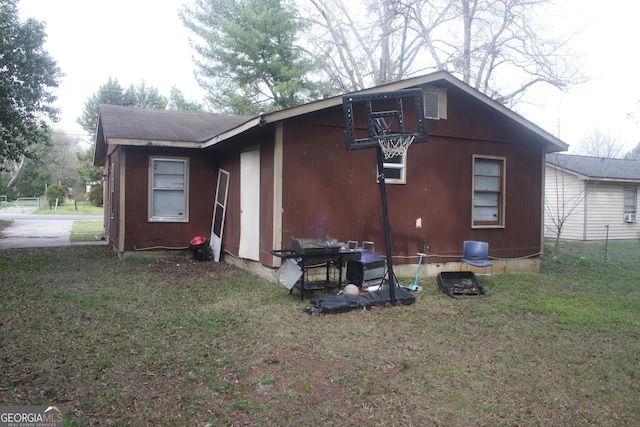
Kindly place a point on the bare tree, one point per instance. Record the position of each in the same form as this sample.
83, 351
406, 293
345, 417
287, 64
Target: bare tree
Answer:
60, 159
9, 171
365, 48
634, 153
562, 198
500, 47
600, 144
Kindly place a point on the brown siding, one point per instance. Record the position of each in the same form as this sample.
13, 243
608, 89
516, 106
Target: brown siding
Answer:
331, 191
230, 161
266, 200
144, 235
112, 223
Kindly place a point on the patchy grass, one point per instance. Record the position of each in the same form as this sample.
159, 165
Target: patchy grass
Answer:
25, 202
4, 223
86, 231
173, 342
72, 208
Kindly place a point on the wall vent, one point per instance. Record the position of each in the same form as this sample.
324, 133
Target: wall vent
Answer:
432, 105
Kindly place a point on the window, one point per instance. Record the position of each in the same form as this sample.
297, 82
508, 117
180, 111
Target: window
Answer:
488, 191
394, 170
630, 200
112, 191
168, 193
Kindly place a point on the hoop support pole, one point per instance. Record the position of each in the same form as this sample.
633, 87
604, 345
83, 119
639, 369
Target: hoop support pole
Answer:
385, 219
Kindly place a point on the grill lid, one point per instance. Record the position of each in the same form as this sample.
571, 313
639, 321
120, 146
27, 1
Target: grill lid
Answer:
325, 245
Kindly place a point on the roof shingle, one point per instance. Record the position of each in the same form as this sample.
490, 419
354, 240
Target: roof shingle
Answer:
164, 125
597, 167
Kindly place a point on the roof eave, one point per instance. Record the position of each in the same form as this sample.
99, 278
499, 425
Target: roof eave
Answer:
153, 143
613, 180
583, 177
250, 124
555, 144
577, 174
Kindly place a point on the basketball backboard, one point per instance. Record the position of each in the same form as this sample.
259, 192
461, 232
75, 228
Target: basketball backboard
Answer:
370, 117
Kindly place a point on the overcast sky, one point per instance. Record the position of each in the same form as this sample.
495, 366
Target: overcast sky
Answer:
136, 40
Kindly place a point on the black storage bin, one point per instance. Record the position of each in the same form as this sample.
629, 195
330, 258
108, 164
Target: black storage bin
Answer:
200, 248
460, 284
367, 271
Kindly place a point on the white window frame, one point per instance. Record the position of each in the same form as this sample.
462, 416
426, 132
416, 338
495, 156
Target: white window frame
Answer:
181, 215
501, 193
112, 191
630, 208
395, 166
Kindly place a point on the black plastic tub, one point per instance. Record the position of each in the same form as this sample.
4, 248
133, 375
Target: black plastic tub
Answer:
460, 284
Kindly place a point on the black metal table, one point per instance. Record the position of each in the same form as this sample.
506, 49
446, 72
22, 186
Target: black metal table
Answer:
308, 260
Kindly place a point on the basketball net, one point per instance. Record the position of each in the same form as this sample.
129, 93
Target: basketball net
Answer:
396, 145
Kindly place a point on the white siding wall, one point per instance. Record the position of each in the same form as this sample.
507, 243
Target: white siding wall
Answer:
606, 206
564, 197
591, 209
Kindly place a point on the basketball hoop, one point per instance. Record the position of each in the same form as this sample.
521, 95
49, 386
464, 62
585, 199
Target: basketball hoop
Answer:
396, 145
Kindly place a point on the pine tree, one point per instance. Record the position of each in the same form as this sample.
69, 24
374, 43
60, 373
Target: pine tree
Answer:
248, 57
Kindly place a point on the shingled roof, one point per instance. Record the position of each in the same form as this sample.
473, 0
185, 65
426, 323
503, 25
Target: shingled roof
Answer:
122, 125
597, 168
164, 125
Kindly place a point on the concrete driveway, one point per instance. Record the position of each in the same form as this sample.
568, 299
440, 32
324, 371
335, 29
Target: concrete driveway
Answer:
36, 231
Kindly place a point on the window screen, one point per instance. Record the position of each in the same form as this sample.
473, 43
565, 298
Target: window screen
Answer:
630, 200
488, 191
394, 170
168, 189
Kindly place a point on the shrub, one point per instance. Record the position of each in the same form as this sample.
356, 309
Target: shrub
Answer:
94, 196
54, 192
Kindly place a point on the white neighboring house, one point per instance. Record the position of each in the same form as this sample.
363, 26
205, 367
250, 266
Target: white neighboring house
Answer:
590, 196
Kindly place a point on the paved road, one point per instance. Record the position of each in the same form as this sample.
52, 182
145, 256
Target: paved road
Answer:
36, 231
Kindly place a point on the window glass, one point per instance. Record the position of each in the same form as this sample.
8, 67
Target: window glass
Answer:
168, 189
488, 191
487, 167
394, 170
112, 189
630, 200
168, 182
168, 204
487, 183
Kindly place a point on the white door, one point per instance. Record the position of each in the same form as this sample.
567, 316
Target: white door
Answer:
219, 210
250, 205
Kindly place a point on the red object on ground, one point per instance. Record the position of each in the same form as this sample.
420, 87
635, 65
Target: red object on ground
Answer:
198, 240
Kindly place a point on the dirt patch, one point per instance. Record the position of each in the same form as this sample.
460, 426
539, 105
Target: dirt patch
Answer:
190, 269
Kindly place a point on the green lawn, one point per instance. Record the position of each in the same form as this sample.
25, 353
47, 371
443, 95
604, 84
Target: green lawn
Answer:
174, 342
72, 208
86, 231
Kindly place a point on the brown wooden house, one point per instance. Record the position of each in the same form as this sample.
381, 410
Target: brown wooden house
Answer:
290, 175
